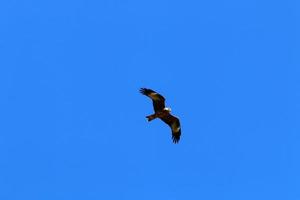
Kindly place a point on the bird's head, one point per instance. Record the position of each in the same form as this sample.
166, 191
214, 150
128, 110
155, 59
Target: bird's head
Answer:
167, 109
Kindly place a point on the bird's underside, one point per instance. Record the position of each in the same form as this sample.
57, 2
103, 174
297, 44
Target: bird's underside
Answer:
160, 115
163, 113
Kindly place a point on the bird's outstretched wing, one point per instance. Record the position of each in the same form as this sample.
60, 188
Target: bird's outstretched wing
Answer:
158, 100
174, 123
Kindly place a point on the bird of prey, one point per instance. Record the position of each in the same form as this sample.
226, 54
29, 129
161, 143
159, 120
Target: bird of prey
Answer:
163, 113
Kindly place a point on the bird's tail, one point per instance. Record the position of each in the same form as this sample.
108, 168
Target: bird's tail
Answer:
151, 117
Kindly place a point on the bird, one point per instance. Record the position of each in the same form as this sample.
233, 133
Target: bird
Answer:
162, 112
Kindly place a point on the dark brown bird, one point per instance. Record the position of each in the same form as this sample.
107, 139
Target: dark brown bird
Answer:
163, 113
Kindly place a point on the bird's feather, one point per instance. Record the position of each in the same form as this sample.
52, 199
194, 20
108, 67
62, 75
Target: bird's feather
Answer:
158, 100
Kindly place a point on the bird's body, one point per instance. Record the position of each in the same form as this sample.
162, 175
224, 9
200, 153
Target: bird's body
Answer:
163, 113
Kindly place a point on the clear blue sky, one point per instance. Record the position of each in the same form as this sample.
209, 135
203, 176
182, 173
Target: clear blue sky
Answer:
73, 124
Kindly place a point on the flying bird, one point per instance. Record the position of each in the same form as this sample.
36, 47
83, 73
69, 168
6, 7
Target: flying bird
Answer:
162, 112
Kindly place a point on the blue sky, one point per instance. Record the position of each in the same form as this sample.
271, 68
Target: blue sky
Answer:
73, 123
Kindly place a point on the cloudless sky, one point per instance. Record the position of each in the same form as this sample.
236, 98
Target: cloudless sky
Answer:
72, 123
